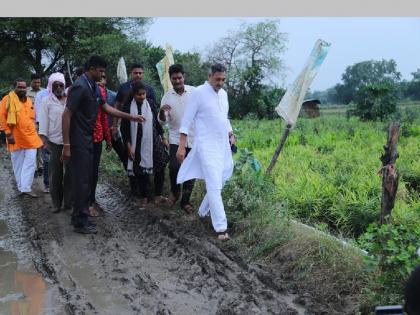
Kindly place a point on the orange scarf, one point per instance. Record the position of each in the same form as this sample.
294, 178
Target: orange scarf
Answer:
13, 107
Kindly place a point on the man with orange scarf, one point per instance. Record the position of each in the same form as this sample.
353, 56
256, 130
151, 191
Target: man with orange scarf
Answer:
17, 119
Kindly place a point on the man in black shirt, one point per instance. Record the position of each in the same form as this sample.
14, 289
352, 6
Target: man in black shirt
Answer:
78, 123
137, 73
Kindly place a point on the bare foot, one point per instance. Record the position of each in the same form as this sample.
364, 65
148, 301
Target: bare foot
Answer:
93, 212
188, 208
160, 200
143, 203
173, 199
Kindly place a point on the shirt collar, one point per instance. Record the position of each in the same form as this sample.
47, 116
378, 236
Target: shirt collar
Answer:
210, 87
174, 92
91, 83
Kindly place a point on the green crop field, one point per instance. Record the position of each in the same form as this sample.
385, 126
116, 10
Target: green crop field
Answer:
327, 172
327, 177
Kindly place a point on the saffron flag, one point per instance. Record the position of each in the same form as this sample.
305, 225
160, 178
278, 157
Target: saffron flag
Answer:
163, 67
121, 71
291, 102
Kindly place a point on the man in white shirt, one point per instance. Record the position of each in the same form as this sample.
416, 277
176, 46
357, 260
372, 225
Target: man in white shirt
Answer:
211, 157
35, 87
50, 130
42, 155
171, 111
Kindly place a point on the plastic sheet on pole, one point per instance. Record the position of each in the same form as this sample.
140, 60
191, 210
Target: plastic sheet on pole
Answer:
163, 66
291, 102
121, 71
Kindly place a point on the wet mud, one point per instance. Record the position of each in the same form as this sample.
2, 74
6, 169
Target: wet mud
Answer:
150, 261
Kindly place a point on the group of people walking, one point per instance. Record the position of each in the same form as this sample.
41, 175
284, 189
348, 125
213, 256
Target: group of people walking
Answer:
68, 126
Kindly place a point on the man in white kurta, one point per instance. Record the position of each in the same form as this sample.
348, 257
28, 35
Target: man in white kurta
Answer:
211, 157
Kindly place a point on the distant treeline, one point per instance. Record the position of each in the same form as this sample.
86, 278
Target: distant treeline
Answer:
252, 55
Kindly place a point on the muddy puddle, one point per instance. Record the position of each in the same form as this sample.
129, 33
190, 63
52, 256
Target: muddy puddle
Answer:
23, 290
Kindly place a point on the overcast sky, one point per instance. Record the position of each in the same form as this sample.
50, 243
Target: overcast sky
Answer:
352, 40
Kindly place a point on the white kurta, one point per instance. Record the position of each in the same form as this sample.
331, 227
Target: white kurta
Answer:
211, 157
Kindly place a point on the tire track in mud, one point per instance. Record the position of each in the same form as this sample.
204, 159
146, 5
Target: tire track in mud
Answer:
148, 261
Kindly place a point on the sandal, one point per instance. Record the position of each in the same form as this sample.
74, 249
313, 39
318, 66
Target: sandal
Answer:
188, 208
98, 207
160, 200
93, 212
223, 236
173, 199
143, 203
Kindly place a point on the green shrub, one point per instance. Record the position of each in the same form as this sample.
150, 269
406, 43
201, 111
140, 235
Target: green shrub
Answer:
375, 101
394, 253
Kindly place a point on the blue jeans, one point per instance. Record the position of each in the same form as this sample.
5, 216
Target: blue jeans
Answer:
45, 160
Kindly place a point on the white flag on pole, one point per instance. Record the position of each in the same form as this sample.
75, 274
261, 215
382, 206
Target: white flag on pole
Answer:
291, 102
163, 66
121, 71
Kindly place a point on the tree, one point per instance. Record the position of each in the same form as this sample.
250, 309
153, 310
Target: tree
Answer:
252, 56
11, 67
375, 101
268, 101
413, 87
196, 71
365, 73
45, 44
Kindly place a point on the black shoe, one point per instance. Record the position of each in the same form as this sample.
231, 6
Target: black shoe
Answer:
78, 221
75, 222
91, 223
85, 229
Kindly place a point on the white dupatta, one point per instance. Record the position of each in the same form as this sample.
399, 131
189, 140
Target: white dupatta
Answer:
146, 149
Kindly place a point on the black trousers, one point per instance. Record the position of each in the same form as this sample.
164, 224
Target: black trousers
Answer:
174, 166
121, 150
59, 178
81, 163
97, 151
143, 181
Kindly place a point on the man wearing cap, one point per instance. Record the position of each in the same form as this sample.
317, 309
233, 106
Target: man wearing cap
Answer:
50, 130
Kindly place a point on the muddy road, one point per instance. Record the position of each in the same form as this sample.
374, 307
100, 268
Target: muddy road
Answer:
151, 261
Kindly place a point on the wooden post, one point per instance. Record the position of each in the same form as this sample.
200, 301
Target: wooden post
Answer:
278, 149
390, 176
